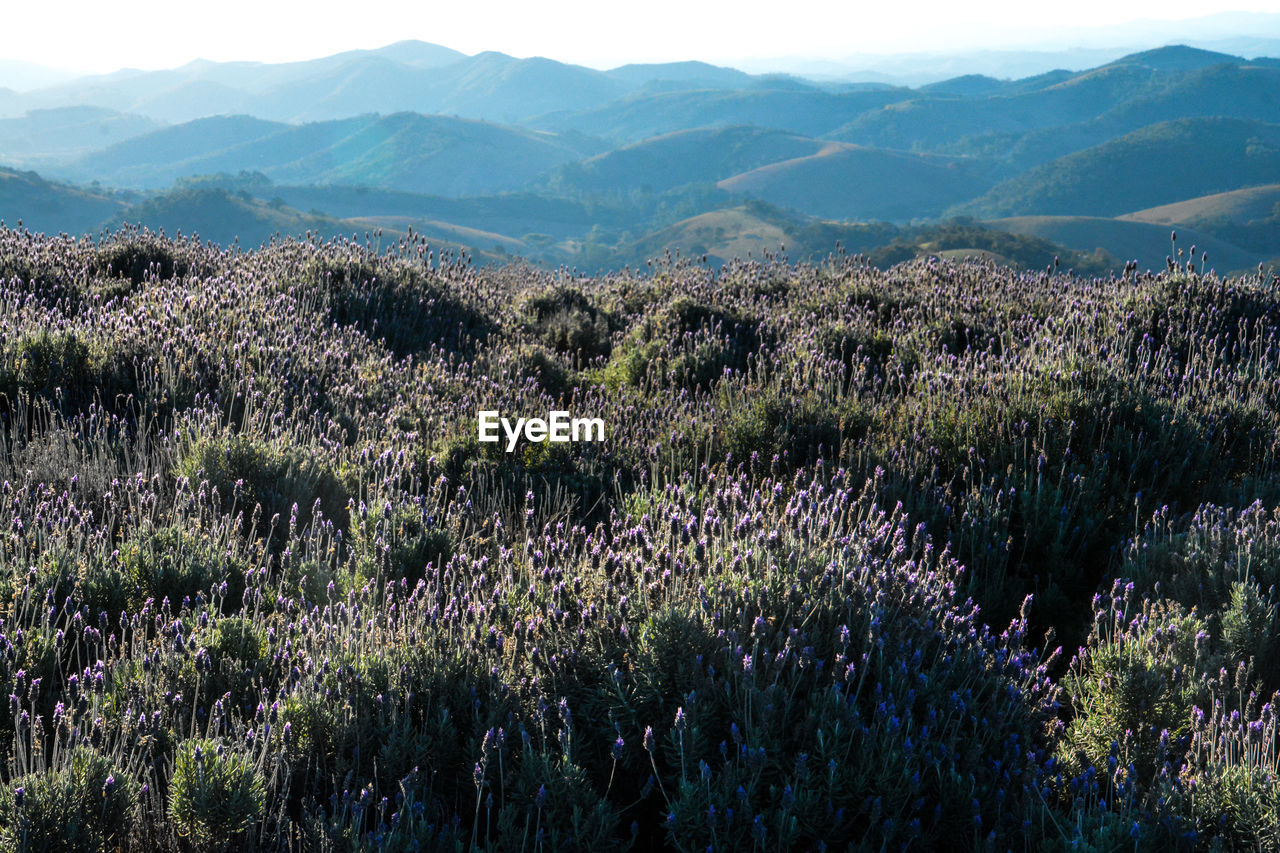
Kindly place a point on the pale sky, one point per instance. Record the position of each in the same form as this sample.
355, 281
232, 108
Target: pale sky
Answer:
103, 36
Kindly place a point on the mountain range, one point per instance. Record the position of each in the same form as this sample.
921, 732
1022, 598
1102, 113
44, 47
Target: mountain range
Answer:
565, 164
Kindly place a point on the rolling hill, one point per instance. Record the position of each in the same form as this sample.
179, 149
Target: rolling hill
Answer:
236, 218
684, 157
1235, 206
508, 213
44, 136
414, 153
1228, 91
569, 164
1248, 218
720, 235
685, 75
1177, 57
50, 207
1164, 163
843, 181
489, 86
155, 159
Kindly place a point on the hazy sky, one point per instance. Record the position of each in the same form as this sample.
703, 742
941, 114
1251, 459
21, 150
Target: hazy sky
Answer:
102, 36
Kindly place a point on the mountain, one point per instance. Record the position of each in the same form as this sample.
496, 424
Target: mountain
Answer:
418, 54
156, 159
431, 154
567, 164
684, 157
932, 123
502, 88
966, 86
1177, 57
685, 75
489, 86
843, 181
50, 207
192, 99
1234, 91
43, 136
806, 111
406, 151
407, 76
1160, 164
259, 77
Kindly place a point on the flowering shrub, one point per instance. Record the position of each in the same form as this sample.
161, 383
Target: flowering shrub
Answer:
215, 795
86, 805
259, 570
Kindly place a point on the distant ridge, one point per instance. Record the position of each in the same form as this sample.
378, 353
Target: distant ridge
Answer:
1178, 57
407, 151
572, 165
1156, 165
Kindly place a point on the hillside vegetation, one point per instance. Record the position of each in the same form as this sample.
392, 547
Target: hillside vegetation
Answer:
1161, 164
267, 590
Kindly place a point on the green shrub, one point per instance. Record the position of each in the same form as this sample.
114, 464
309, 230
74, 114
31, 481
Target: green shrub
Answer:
178, 563
138, 257
552, 376
85, 806
252, 472
398, 541
1134, 685
552, 799
1226, 792
42, 361
1249, 626
1198, 560
851, 346
630, 364
565, 320
238, 640
215, 794
399, 303
687, 343
757, 424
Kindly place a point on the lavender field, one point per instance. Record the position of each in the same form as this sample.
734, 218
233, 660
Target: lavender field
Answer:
951, 556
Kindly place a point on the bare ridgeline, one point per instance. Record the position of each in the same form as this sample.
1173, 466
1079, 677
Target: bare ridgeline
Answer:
268, 588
